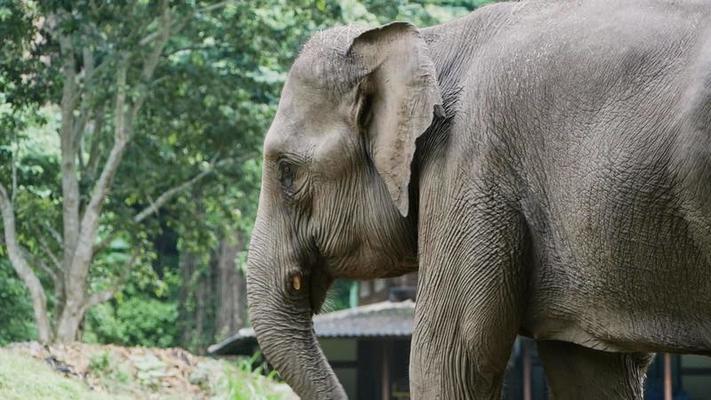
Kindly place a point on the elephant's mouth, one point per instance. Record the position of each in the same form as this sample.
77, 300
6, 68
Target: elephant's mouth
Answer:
312, 280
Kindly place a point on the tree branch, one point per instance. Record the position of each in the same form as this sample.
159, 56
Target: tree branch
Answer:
55, 235
88, 57
165, 22
120, 141
106, 295
87, 97
90, 221
43, 266
163, 35
104, 243
23, 270
178, 25
100, 297
156, 205
70, 184
14, 168
50, 254
123, 130
169, 195
215, 6
149, 66
92, 164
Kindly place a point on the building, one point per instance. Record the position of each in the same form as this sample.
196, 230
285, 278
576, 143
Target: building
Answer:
369, 349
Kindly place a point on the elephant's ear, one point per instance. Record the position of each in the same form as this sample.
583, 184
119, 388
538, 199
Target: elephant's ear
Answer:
398, 96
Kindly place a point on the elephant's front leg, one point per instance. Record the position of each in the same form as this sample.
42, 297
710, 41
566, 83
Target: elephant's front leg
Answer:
469, 306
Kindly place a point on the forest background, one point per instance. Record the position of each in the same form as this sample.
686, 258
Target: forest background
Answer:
130, 138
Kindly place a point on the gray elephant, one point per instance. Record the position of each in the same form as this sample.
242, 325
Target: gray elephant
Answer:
545, 166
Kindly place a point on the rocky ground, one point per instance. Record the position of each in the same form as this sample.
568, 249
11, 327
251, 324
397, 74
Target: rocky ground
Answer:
115, 372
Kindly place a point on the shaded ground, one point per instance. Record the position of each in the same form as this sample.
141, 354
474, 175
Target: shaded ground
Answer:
83, 371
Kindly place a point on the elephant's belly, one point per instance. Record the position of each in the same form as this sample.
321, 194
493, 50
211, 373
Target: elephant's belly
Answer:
627, 305
628, 271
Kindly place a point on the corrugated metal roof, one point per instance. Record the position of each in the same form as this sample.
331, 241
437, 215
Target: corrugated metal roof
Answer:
379, 319
386, 319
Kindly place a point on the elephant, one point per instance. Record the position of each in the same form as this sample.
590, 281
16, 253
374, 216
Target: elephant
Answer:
544, 166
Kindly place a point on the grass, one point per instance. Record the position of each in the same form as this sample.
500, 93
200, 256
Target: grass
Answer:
111, 374
114, 377
247, 383
25, 378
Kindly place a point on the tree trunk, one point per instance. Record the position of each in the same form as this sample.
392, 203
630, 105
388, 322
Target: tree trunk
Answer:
188, 266
22, 268
70, 319
231, 288
201, 293
70, 188
213, 297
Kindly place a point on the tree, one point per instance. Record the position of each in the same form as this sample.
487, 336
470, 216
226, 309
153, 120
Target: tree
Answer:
106, 55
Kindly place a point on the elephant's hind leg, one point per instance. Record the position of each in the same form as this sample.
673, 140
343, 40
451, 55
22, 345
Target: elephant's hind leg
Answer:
576, 372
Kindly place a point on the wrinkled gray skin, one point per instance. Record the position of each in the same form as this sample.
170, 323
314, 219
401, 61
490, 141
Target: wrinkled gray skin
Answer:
544, 165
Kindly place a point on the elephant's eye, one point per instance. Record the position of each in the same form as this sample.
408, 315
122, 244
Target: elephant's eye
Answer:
286, 176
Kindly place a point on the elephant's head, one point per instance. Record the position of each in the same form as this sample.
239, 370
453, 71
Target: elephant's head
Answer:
334, 199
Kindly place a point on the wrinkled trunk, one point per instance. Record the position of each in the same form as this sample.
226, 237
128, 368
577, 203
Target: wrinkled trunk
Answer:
282, 322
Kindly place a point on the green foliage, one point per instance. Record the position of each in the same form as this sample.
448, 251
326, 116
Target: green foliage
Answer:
338, 297
137, 321
100, 363
245, 382
112, 374
421, 13
15, 307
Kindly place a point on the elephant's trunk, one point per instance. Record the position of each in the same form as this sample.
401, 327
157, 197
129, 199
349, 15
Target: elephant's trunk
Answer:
281, 317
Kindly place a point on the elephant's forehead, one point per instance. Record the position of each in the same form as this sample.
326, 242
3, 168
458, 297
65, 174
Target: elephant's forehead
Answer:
322, 61
304, 115
283, 134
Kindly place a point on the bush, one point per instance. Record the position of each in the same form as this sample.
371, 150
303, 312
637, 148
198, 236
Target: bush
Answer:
15, 308
135, 322
111, 373
247, 383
